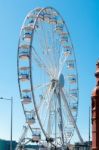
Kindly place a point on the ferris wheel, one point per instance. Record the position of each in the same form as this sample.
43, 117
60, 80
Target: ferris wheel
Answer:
47, 76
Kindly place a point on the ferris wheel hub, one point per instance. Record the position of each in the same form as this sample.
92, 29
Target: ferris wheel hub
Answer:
54, 82
61, 80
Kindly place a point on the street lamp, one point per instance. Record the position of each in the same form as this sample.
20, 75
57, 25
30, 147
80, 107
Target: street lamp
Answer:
10, 99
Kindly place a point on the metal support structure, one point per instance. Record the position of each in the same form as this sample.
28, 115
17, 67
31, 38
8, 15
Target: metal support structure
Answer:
22, 138
70, 114
11, 125
55, 121
61, 117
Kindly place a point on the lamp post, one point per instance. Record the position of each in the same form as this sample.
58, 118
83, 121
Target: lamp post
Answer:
11, 125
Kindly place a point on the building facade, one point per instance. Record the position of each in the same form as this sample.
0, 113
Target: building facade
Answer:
95, 112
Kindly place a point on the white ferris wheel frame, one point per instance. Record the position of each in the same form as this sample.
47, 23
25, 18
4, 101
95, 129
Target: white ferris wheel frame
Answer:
62, 94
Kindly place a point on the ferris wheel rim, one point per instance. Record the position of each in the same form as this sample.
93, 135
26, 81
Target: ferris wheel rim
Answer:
30, 55
65, 27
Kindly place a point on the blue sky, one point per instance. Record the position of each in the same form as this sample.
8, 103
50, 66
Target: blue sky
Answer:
82, 19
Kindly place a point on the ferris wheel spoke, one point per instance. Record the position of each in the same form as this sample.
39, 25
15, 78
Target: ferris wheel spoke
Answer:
57, 48
45, 39
49, 49
43, 98
51, 112
53, 41
47, 94
70, 115
49, 120
61, 66
50, 57
59, 51
46, 116
43, 42
40, 62
43, 85
61, 126
45, 101
40, 42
